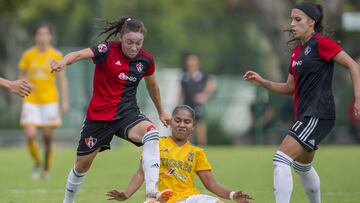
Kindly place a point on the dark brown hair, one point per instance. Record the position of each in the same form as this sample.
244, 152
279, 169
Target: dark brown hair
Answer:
185, 107
124, 25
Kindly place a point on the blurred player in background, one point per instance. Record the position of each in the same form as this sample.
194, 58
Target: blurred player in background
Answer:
180, 161
113, 109
41, 108
309, 81
196, 89
19, 87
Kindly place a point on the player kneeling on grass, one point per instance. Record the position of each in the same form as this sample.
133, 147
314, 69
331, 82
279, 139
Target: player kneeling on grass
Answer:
179, 161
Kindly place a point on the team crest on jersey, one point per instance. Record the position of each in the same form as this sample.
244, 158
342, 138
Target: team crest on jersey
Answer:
139, 67
90, 141
102, 48
307, 50
191, 156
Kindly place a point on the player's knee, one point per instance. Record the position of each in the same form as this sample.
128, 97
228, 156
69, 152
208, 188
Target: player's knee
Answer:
152, 134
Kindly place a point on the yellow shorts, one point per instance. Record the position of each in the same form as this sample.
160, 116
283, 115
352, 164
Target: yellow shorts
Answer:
41, 115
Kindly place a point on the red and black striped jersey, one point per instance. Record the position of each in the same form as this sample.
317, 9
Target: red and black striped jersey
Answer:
116, 79
312, 67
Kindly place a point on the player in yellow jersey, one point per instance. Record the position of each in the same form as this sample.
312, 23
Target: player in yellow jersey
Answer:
41, 109
179, 162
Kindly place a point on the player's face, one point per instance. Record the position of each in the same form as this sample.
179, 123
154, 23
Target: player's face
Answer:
182, 125
131, 43
192, 63
43, 36
301, 25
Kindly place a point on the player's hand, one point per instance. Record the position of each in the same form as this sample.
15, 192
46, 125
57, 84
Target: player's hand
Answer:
357, 109
117, 195
20, 87
57, 66
200, 98
165, 118
242, 197
254, 78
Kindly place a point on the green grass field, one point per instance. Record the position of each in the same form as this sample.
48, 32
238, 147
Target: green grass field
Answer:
246, 168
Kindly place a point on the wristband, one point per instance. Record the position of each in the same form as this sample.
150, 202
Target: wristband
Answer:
231, 195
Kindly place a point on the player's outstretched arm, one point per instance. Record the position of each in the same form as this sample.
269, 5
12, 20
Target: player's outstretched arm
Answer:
19, 87
154, 92
287, 88
135, 183
213, 186
346, 61
57, 66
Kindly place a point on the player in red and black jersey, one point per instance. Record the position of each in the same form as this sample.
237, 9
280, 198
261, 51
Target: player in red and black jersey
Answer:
310, 82
113, 110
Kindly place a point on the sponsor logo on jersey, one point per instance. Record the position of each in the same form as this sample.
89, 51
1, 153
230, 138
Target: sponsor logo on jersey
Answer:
90, 141
118, 62
191, 156
166, 150
297, 63
102, 48
307, 50
123, 76
139, 67
172, 171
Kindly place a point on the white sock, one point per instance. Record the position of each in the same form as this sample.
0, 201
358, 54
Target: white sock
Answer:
310, 181
283, 182
151, 161
73, 184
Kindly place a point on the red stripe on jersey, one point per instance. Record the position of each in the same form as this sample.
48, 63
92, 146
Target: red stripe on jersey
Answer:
294, 58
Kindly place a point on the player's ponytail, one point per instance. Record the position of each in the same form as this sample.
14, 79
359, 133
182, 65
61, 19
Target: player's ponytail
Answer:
123, 25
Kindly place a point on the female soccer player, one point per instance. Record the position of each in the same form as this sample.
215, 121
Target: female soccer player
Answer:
41, 109
309, 82
180, 161
19, 87
119, 67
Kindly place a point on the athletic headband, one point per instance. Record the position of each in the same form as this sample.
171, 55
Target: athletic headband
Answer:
310, 10
184, 107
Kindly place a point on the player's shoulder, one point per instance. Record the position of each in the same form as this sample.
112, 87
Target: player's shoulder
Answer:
323, 39
112, 44
30, 51
196, 149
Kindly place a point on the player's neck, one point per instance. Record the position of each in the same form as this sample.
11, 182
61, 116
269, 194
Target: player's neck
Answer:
42, 47
178, 142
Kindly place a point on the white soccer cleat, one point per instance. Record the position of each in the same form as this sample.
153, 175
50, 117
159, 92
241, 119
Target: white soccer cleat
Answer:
36, 172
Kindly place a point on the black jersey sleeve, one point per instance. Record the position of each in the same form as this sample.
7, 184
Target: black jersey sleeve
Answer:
101, 51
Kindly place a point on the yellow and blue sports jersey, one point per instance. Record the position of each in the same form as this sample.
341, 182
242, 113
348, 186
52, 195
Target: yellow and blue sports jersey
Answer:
37, 66
178, 165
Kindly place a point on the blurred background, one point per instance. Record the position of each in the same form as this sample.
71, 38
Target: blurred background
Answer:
229, 37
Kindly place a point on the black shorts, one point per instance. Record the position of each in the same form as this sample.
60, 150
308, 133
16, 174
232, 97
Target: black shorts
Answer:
310, 131
98, 134
199, 112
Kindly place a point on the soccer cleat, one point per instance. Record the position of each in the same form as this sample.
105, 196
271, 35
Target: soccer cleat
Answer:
45, 175
36, 172
164, 195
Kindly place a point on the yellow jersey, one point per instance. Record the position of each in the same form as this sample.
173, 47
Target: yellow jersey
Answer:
37, 66
178, 165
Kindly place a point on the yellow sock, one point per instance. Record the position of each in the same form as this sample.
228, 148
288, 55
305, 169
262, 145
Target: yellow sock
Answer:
34, 151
